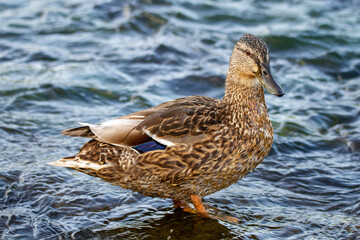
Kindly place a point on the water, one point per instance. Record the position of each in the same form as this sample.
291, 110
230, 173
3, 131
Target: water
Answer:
90, 61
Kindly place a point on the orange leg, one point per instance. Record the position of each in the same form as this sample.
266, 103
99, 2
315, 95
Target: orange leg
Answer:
183, 205
179, 204
196, 200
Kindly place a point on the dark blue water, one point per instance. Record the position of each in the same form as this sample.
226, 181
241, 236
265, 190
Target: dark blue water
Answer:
67, 61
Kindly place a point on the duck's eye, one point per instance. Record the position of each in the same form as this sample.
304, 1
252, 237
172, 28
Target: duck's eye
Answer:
247, 52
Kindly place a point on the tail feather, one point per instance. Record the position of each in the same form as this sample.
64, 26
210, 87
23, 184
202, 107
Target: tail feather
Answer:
79, 132
98, 159
76, 163
79, 165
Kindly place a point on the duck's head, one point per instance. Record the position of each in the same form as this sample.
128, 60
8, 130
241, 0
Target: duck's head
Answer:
250, 59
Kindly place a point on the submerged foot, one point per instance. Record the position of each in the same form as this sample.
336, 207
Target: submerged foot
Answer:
183, 206
201, 211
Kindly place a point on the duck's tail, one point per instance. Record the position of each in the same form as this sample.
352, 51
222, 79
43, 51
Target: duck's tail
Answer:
79, 165
102, 160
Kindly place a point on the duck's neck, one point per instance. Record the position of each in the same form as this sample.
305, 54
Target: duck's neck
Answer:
244, 101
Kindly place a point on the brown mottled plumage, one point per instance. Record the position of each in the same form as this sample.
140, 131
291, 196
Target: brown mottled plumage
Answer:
210, 143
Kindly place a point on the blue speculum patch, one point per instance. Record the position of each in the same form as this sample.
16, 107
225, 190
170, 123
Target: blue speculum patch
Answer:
149, 146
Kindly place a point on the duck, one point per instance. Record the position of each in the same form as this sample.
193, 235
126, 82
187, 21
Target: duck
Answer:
190, 147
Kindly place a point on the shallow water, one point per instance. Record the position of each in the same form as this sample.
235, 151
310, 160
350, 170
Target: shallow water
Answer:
67, 61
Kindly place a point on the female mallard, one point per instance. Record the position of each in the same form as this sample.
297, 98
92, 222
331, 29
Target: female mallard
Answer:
189, 147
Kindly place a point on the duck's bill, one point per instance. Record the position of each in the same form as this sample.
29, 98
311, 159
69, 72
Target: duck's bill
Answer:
268, 81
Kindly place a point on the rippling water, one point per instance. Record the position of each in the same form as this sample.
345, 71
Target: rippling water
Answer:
76, 60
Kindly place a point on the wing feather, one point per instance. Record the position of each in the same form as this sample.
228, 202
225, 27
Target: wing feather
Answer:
183, 120
120, 131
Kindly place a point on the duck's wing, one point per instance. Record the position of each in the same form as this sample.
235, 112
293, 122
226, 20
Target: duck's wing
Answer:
120, 131
183, 120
